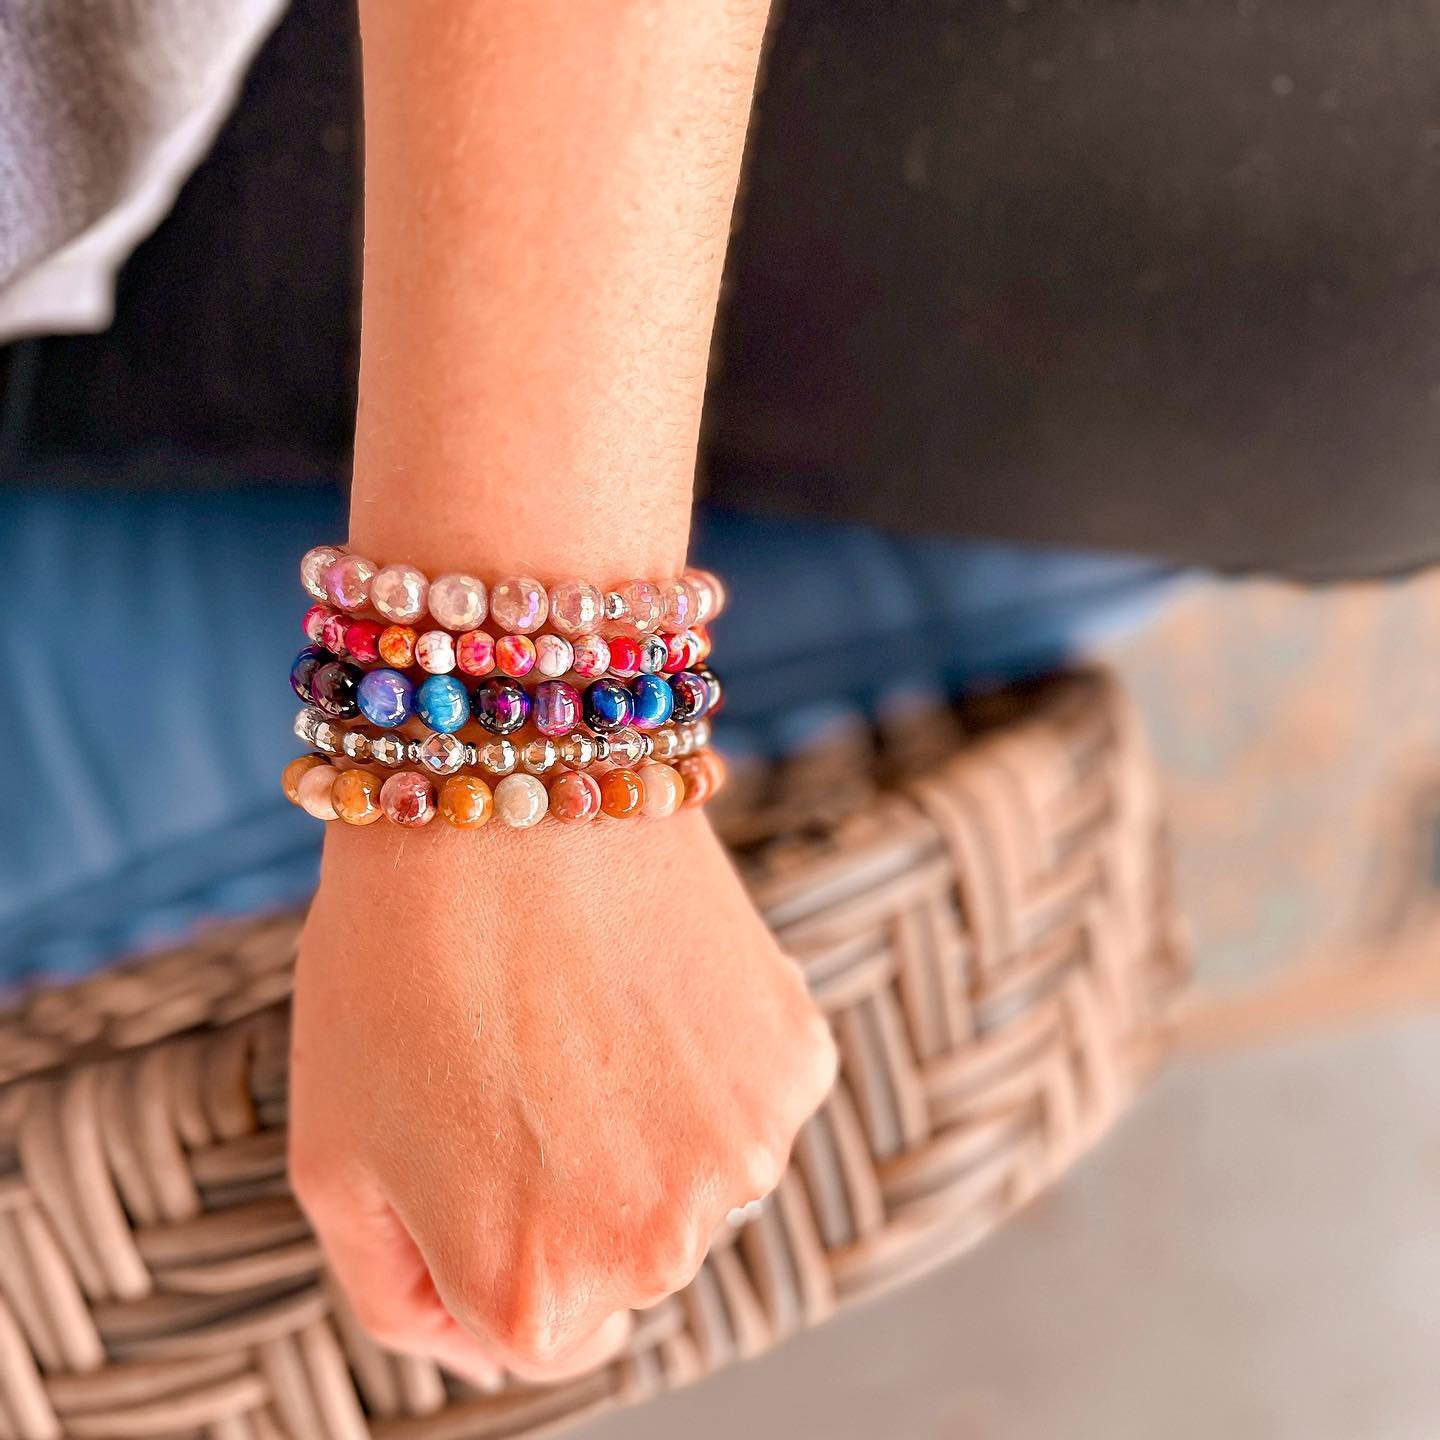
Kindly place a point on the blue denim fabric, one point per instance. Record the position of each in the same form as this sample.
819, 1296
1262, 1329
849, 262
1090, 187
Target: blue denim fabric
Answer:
149, 716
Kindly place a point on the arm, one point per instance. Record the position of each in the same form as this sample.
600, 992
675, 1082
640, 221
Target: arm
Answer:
534, 1069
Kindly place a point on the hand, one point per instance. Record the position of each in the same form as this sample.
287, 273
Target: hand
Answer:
532, 1072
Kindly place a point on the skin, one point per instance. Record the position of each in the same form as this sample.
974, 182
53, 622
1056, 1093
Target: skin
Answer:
534, 1070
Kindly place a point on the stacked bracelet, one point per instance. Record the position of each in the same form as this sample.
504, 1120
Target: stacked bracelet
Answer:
520, 604
638, 651
478, 653
387, 698
359, 797
445, 754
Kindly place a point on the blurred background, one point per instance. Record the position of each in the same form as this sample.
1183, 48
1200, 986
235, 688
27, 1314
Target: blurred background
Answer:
1255, 1252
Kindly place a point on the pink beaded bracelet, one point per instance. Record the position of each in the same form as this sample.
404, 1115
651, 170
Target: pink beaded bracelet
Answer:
478, 653
520, 604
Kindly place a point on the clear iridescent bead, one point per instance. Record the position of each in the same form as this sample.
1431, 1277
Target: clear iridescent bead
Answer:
313, 566
602, 746
575, 606
539, 756
616, 609
305, 724
458, 602
327, 738
680, 602
519, 604
388, 749
347, 582
701, 732
627, 746
666, 744
685, 740
356, 745
442, 754
400, 593
499, 757
577, 751
644, 602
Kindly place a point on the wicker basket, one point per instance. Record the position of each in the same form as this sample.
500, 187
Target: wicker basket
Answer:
995, 944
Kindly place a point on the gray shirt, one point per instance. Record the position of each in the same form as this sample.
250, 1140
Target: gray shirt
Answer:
106, 106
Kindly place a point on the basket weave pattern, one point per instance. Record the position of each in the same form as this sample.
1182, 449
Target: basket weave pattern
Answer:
994, 943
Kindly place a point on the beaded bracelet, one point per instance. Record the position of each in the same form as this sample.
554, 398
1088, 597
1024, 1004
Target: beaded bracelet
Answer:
520, 604
446, 754
387, 698
477, 653
360, 797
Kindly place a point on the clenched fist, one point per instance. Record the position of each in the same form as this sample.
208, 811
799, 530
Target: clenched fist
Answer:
533, 1070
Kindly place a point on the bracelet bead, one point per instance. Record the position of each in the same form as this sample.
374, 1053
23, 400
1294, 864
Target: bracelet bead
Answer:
607, 706
440, 753
500, 706
466, 802
702, 774
654, 701
290, 776
362, 641
458, 602
347, 582
644, 604
556, 708
355, 797
576, 606
499, 757
664, 790
386, 698
397, 646
315, 790
521, 801
554, 655
654, 651
592, 656
313, 565
538, 756
442, 703
333, 688
519, 604
678, 604
515, 655
624, 657
314, 623
435, 652
332, 632
575, 796
408, 799
692, 697
710, 594
475, 653
400, 593
622, 793
302, 671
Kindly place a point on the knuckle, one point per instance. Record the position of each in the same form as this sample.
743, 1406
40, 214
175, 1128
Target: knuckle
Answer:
762, 1165
672, 1254
526, 1320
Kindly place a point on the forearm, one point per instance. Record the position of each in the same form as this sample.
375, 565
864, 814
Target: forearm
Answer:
548, 196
